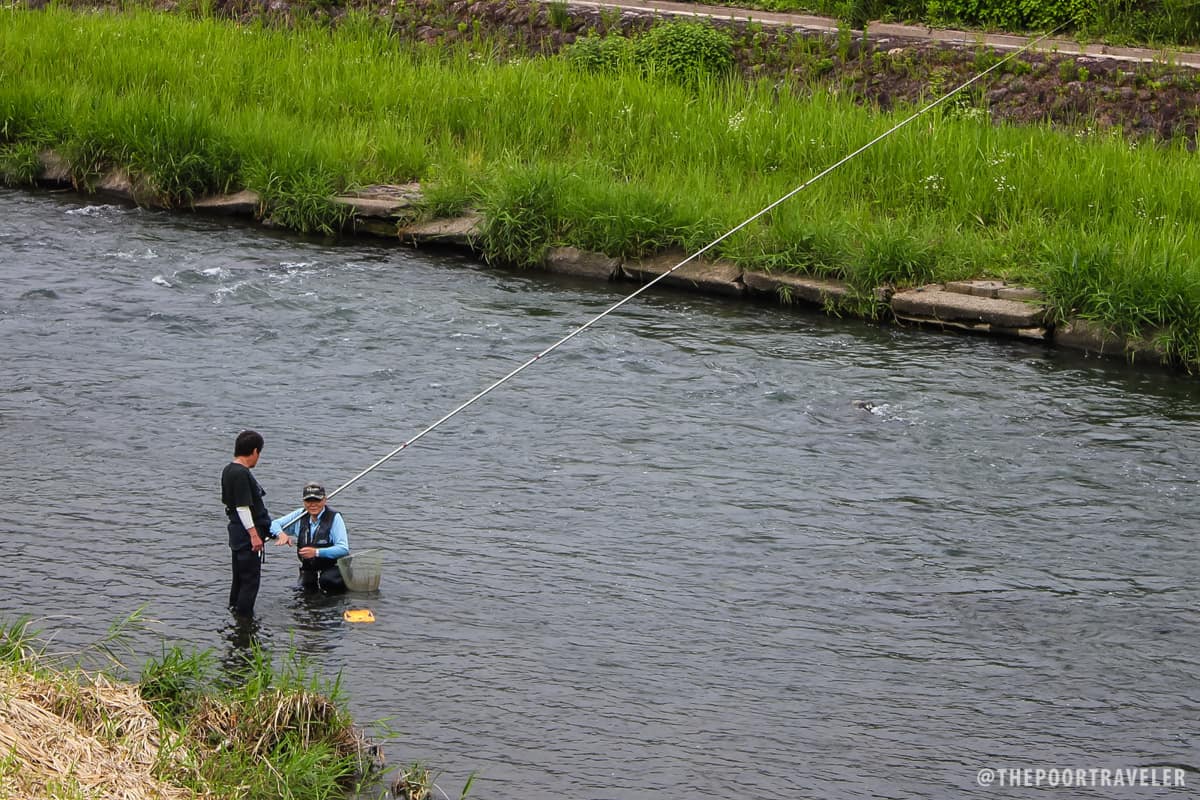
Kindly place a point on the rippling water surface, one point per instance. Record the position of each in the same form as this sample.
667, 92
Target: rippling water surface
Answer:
706, 549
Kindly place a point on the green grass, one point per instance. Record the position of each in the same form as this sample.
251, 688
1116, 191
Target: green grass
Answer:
1149, 22
275, 728
257, 727
622, 163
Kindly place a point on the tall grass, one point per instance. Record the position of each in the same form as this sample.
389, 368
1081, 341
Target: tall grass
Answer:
256, 728
621, 163
265, 730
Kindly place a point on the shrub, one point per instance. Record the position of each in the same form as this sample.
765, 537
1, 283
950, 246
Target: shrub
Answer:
1014, 14
684, 51
604, 54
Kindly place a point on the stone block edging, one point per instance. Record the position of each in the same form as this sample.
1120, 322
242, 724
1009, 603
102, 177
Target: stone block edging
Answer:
1091, 337
937, 304
242, 204
790, 287
582, 264
985, 306
707, 277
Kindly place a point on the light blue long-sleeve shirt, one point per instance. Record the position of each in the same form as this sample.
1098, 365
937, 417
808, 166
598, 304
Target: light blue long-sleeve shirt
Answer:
337, 532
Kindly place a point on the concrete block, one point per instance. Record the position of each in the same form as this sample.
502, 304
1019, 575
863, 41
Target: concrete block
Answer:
1092, 337
242, 204
132, 188
710, 277
369, 206
995, 289
1040, 334
383, 200
386, 228
791, 288
54, 170
935, 304
118, 184
975, 288
459, 231
1020, 293
580, 263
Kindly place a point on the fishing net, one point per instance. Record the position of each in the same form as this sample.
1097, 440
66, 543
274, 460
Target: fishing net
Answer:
362, 570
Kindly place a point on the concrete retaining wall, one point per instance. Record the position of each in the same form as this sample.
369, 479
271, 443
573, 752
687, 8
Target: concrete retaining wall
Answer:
987, 307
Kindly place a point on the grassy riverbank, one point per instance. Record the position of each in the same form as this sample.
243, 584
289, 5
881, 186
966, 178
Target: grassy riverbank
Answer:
183, 731
621, 163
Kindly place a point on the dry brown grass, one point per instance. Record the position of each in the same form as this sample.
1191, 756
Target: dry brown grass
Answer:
274, 714
84, 736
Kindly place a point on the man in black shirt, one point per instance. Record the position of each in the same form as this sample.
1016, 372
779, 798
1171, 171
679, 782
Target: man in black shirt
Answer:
249, 522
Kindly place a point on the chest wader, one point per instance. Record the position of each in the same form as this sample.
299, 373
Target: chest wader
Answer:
319, 573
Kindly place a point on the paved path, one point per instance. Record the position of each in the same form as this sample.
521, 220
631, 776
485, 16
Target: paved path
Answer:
1001, 41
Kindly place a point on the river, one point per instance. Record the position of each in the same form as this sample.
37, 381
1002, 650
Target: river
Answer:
705, 549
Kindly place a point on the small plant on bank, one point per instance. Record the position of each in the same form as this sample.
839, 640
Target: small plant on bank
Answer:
857, 13
893, 254
174, 684
629, 221
19, 164
200, 9
1018, 66
448, 190
19, 644
299, 200
416, 782
521, 213
610, 19
559, 15
845, 39
601, 54
685, 52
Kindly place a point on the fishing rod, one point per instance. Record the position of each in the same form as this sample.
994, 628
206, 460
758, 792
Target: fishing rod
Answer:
767, 209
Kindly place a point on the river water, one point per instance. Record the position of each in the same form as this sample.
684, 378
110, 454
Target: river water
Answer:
705, 549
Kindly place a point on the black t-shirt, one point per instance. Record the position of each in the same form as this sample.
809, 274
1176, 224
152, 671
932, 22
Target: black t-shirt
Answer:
239, 488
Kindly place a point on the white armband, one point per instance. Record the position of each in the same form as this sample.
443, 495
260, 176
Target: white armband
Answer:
245, 517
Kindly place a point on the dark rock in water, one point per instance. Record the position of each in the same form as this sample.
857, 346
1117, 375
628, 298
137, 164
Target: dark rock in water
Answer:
377, 757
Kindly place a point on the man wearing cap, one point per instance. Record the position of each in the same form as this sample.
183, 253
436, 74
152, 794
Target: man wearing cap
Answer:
320, 535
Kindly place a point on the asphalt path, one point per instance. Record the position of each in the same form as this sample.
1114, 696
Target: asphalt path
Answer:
1000, 41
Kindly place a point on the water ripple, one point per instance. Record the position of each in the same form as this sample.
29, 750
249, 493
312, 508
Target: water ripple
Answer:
705, 549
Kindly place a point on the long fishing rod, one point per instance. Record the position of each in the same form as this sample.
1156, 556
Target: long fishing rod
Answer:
534, 359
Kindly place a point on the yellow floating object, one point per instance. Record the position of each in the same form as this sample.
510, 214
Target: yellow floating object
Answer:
358, 615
